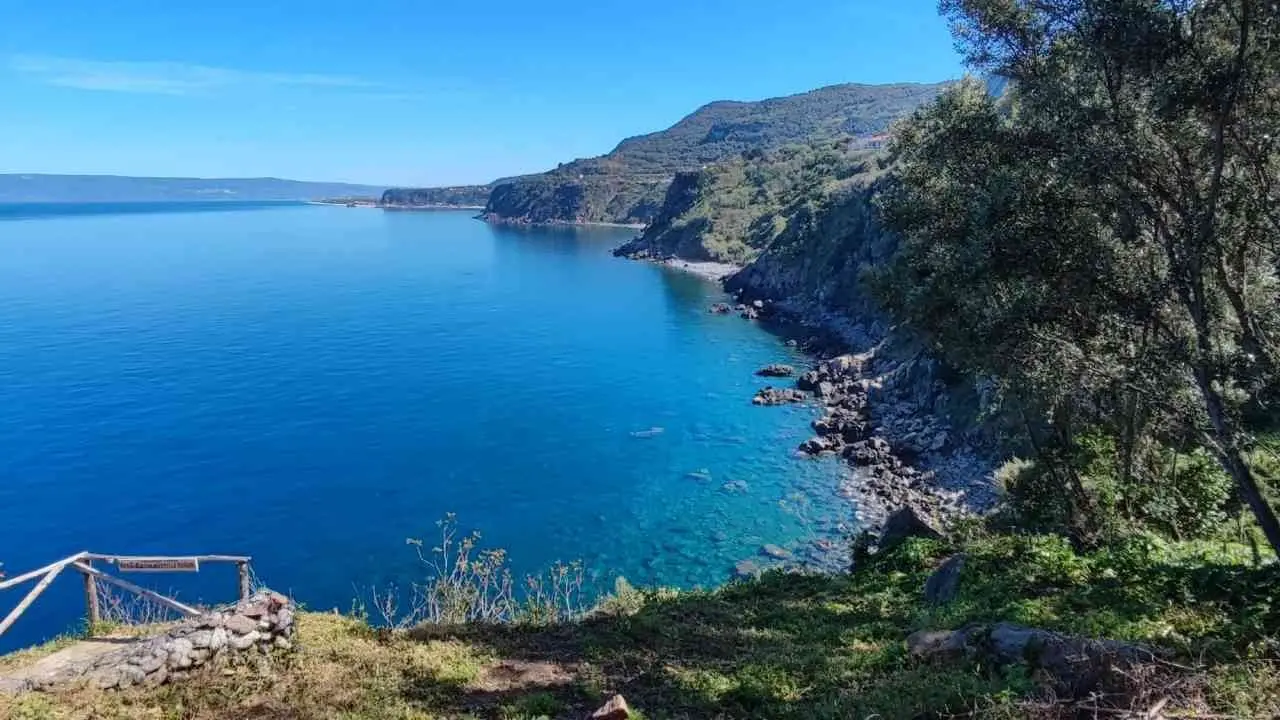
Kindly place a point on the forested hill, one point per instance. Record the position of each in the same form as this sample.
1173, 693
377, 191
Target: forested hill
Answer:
115, 188
472, 196
628, 184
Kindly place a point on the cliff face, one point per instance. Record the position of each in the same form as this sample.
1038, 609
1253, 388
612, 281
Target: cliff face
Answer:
629, 184
731, 212
458, 196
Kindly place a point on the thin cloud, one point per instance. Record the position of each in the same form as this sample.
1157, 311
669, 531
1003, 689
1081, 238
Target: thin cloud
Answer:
163, 78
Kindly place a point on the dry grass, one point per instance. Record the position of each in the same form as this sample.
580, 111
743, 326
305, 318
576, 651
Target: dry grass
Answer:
784, 647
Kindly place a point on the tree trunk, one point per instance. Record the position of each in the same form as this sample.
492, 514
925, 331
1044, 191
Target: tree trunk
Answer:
1229, 456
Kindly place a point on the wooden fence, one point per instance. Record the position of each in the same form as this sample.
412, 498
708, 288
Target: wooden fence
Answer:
83, 563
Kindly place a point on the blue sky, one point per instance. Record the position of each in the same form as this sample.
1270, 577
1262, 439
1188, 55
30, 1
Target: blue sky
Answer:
413, 92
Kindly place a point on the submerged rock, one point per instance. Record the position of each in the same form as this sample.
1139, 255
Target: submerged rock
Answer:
776, 552
747, 568
720, 308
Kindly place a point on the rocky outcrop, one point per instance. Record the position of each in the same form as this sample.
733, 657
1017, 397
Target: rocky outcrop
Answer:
259, 624
776, 370
778, 396
1076, 664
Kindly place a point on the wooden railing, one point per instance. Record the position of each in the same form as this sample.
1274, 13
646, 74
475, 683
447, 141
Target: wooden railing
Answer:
83, 563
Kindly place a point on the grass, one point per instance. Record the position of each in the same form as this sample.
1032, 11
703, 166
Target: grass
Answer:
782, 646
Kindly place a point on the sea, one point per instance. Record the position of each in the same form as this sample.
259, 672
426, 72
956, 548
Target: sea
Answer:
316, 386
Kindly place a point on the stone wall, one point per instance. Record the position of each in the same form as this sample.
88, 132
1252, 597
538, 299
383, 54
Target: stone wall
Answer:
257, 625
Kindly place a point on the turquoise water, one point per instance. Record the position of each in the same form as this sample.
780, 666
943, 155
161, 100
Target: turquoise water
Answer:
312, 385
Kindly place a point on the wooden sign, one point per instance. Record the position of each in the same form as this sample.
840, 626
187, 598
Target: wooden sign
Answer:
158, 564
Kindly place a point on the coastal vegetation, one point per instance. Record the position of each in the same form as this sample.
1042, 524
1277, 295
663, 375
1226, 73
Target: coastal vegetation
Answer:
627, 185
462, 196
780, 646
1091, 257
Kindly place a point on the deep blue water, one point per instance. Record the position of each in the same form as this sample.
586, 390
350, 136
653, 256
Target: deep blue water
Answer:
312, 385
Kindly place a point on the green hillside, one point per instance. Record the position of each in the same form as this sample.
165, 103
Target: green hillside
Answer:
628, 185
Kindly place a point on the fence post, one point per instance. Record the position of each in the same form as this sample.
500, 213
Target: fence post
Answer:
93, 615
242, 569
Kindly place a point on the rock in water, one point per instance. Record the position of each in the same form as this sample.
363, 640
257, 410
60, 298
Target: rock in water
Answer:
776, 552
776, 370
778, 396
721, 308
615, 709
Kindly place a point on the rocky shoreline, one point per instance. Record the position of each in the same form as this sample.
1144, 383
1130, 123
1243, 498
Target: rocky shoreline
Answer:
880, 416
707, 269
496, 219
884, 413
910, 472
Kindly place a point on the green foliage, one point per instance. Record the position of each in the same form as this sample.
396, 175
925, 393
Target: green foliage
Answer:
731, 211
458, 196
1102, 242
534, 706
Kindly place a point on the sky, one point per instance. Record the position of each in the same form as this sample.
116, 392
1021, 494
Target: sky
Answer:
414, 92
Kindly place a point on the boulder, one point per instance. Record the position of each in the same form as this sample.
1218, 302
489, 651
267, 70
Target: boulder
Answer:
809, 381
1076, 664
776, 370
720, 308
615, 709
821, 444
749, 313
908, 522
944, 583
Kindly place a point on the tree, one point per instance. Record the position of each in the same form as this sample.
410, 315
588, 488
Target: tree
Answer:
1109, 238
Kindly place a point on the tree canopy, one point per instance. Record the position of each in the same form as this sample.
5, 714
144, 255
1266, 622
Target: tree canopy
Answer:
1104, 239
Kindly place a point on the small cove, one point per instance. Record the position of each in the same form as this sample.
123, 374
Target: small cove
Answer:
312, 385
